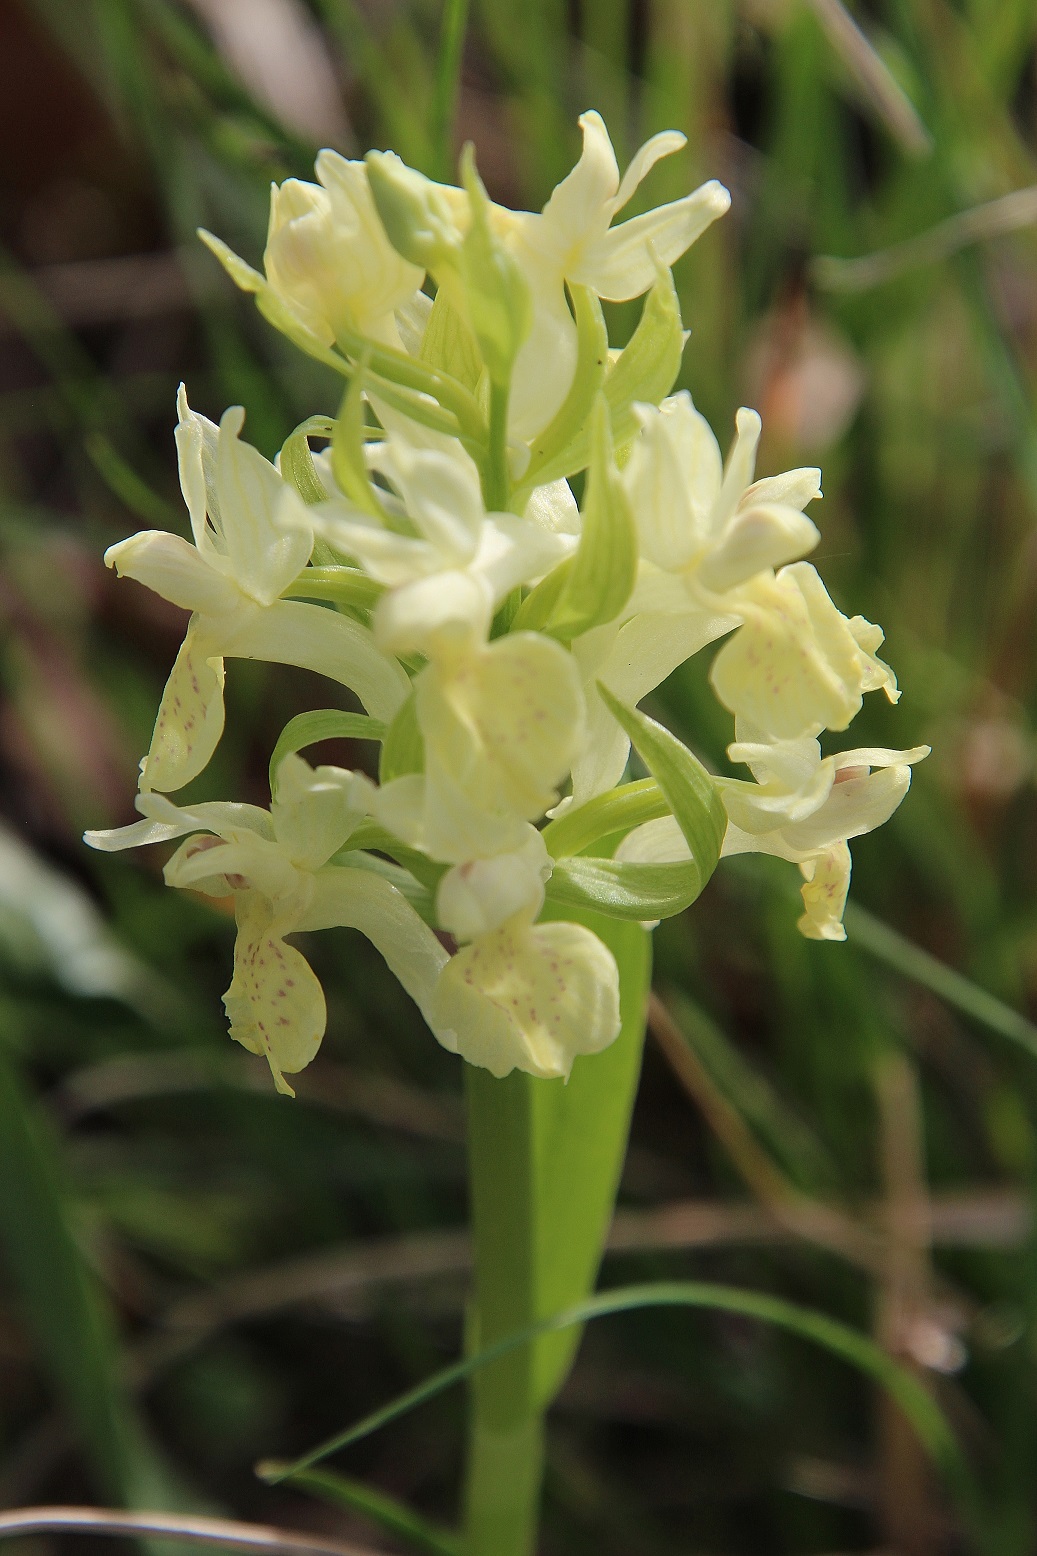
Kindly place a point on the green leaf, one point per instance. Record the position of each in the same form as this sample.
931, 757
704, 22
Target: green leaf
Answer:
689, 790
449, 345
580, 1131
839, 1339
620, 810
643, 373
646, 370
62, 1301
541, 603
403, 749
347, 447
369, 835
393, 1516
496, 295
570, 420
592, 587
625, 889
895, 950
545, 1158
348, 587
297, 460
321, 724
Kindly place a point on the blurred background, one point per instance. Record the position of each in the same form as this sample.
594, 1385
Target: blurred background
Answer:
195, 1275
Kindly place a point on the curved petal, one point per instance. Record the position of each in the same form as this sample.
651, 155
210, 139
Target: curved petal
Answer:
390, 558
229, 819
794, 489
136, 835
530, 999
662, 145
163, 822
756, 539
190, 716
740, 465
291, 633
358, 899
275, 1004
624, 262
175, 570
853, 807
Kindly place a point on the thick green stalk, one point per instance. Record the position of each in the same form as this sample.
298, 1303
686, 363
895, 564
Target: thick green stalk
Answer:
544, 1165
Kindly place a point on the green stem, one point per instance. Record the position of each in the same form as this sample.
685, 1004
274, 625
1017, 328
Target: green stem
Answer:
337, 585
502, 1506
396, 367
498, 477
544, 1164
502, 1493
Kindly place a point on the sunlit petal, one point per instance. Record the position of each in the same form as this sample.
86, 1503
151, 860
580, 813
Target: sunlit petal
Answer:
528, 998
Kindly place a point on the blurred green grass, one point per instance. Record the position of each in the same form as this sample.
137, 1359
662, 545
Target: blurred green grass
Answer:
146, 1169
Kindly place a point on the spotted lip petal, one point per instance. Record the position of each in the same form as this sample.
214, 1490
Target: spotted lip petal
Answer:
275, 1003
190, 716
528, 997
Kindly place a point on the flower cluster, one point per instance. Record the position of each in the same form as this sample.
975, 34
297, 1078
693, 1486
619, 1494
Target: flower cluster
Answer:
433, 560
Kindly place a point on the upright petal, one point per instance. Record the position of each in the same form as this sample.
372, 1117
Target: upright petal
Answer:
581, 205
264, 551
673, 478
546, 362
441, 494
643, 161
313, 811
197, 439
